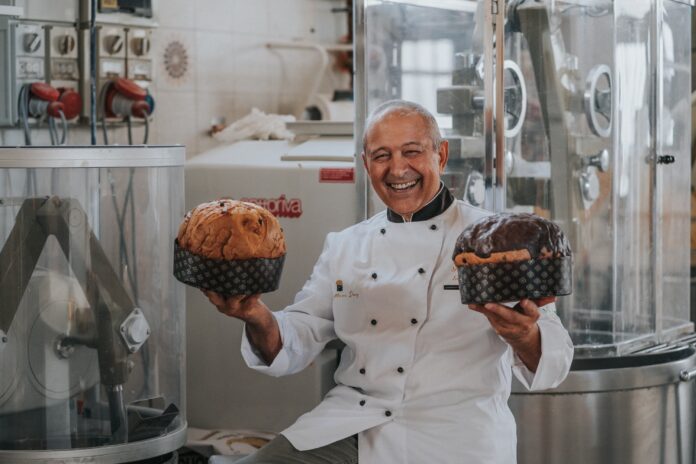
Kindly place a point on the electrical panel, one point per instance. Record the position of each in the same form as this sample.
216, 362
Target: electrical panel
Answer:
7, 109
139, 56
62, 66
134, 7
29, 49
49, 43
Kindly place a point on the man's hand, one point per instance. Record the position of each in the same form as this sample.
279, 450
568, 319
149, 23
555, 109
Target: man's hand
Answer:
518, 326
262, 328
248, 308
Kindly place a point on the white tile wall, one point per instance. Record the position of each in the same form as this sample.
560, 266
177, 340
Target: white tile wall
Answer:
177, 13
216, 15
251, 16
212, 105
279, 14
162, 38
230, 69
176, 119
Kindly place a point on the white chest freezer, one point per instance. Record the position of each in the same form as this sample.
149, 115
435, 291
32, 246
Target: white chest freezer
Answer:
310, 187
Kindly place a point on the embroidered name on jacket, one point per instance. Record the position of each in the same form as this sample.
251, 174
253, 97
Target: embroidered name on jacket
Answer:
341, 293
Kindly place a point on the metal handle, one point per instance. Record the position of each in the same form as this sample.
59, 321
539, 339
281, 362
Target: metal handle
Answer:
598, 102
600, 160
515, 99
665, 159
687, 375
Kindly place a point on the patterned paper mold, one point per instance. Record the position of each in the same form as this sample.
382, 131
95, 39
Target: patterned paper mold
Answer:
512, 281
228, 277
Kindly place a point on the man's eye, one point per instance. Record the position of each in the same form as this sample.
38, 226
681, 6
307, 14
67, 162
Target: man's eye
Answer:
412, 152
379, 157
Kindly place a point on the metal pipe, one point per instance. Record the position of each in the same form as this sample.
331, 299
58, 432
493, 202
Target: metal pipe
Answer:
500, 178
360, 99
93, 72
323, 59
117, 414
489, 202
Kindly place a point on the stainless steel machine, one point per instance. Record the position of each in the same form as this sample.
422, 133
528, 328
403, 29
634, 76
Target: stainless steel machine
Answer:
91, 320
579, 111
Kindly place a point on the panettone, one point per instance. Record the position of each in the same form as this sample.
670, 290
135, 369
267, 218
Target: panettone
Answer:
507, 257
230, 247
230, 229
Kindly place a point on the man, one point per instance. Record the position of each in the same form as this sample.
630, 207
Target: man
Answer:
422, 378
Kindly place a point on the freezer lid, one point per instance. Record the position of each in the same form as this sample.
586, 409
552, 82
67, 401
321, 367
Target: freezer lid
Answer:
322, 149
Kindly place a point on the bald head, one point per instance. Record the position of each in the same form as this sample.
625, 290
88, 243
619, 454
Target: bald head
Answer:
402, 108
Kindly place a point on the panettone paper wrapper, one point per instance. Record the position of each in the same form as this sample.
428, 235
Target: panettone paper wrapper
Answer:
513, 281
228, 277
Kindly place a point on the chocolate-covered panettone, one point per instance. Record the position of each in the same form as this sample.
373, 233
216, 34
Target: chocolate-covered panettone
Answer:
507, 257
230, 247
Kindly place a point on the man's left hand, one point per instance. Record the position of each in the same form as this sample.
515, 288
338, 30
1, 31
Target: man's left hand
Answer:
518, 326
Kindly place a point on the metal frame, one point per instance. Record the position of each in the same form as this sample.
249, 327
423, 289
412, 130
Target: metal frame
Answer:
92, 157
360, 100
113, 454
489, 202
628, 378
656, 53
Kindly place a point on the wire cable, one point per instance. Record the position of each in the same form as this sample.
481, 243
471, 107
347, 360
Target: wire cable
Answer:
64, 123
24, 112
130, 130
52, 131
102, 100
93, 72
146, 136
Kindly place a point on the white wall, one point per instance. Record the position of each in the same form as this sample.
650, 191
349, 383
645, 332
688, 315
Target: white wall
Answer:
230, 70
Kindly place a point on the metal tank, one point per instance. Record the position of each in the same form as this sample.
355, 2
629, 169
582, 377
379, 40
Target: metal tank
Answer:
91, 320
579, 111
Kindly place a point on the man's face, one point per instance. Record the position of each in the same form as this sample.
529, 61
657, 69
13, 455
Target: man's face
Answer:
402, 163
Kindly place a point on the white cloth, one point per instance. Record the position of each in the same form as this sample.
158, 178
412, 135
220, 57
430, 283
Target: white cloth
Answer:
257, 125
448, 402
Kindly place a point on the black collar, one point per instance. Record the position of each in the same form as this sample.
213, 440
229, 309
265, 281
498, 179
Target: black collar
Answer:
442, 200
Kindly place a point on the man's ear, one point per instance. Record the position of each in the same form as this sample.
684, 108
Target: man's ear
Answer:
364, 158
443, 153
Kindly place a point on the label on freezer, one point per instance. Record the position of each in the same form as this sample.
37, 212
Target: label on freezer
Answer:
279, 207
337, 175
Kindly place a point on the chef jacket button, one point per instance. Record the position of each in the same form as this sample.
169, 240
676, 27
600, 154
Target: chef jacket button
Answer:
400, 370
414, 321
387, 413
433, 227
373, 322
362, 402
362, 370
382, 231
421, 270
374, 275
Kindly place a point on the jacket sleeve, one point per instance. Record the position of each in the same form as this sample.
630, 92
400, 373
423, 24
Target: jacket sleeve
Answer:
556, 354
306, 326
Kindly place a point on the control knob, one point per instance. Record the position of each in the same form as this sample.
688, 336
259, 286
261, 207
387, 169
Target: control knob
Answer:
141, 46
113, 44
66, 44
32, 42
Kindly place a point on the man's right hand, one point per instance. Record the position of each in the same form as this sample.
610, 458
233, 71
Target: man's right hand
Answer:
262, 328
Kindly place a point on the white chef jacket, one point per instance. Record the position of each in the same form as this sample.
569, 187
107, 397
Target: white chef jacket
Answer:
422, 378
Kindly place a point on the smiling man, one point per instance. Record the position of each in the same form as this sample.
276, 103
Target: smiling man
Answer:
422, 378
404, 156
